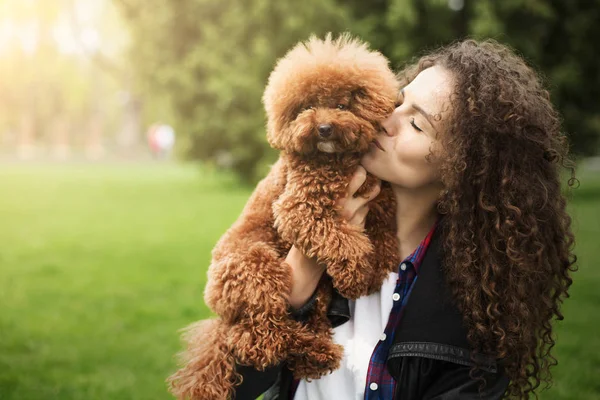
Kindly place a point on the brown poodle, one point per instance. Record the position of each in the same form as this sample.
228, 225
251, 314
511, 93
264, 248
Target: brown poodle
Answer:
324, 103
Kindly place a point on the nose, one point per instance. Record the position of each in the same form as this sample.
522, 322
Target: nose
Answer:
388, 126
325, 130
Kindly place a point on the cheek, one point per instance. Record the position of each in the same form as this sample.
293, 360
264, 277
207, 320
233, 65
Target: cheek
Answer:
411, 168
404, 163
411, 154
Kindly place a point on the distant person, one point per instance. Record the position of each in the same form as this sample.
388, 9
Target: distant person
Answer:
161, 140
165, 139
152, 142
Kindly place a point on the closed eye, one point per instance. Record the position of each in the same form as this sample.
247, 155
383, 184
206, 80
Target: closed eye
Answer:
412, 122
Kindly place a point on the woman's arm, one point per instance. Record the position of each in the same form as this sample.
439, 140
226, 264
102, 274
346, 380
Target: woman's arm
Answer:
256, 382
306, 273
421, 378
455, 383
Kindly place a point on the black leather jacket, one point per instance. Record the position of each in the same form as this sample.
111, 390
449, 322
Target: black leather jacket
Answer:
429, 358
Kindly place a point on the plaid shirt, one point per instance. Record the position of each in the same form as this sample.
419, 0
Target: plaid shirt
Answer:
380, 385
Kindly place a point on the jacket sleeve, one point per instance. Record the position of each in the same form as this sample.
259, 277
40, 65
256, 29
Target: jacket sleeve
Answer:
254, 382
420, 378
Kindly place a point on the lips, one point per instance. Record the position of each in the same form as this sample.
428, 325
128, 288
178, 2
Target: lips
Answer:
379, 146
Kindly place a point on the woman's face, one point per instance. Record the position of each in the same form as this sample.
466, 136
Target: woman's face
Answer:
411, 132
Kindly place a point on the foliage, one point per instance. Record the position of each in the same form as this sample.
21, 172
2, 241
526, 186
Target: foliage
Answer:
210, 59
46, 76
554, 37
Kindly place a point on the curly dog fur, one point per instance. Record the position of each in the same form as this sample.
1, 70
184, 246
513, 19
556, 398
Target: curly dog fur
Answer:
324, 103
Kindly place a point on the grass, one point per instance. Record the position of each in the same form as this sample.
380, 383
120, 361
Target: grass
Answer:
101, 265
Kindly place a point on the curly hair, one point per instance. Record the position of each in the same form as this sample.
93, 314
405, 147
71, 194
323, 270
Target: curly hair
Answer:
507, 235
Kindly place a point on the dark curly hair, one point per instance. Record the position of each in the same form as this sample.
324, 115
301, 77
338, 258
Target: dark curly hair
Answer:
507, 235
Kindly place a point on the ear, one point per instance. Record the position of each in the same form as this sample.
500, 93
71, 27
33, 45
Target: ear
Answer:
373, 106
274, 136
278, 119
359, 94
361, 99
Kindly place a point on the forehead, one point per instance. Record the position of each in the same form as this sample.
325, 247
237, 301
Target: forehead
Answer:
431, 90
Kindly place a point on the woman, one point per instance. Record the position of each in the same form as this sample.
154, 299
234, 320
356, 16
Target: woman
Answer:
473, 153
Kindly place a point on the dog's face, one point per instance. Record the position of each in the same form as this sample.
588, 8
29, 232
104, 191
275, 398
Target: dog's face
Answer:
328, 96
330, 118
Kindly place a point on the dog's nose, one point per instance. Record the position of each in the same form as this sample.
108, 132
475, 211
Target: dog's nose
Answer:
325, 130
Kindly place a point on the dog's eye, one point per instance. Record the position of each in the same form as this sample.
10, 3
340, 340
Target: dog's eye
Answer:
341, 107
308, 108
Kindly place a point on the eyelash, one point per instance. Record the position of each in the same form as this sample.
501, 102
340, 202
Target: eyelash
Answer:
412, 122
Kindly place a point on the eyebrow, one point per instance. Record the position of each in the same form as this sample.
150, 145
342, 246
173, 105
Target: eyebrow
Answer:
425, 114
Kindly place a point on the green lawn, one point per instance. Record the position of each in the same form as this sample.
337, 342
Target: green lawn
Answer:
101, 265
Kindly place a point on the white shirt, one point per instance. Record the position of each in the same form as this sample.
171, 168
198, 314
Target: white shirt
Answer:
359, 336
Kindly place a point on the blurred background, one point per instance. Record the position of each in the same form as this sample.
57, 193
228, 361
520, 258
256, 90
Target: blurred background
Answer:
132, 132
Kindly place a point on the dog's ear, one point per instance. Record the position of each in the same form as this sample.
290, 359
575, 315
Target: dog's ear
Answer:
359, 94
278, 118
369, 98
360, 97
275, 120
372, 105
275, 140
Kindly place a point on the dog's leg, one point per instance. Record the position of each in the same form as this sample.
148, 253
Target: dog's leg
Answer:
319, 356
262, 340
254, 279
314, 225
248, 286
246, 269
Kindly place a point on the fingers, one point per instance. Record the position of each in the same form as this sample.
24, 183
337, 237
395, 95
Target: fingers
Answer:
355, 209
359, 177
360, 216
374, 192
361, 206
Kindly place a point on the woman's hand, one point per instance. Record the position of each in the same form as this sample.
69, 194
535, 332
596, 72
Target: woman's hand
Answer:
306, 272
355, 209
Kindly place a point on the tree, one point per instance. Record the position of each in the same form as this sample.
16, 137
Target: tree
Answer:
554, 36
212, 60
558, 38
52, 95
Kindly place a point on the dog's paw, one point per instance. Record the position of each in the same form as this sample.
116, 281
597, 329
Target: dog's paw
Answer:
322, 357
353, 244
352, 280
331, 240
261, 341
